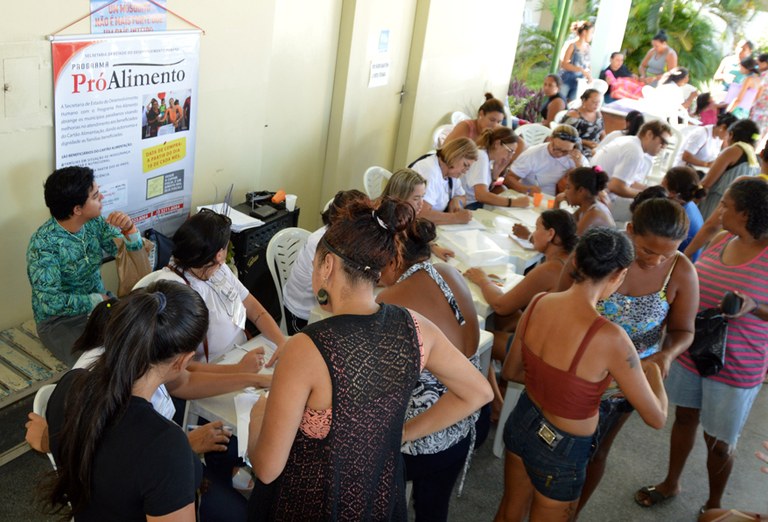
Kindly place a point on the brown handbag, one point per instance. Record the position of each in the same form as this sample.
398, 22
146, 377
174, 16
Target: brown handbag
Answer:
132, 265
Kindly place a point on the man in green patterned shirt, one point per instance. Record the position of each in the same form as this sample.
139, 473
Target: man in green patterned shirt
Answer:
64, 257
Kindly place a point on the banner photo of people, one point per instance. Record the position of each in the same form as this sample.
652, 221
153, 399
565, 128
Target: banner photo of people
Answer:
125, 105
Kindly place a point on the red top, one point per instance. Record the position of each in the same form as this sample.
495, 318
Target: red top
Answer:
560, 392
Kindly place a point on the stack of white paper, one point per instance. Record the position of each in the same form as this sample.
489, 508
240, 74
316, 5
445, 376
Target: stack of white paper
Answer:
240, 221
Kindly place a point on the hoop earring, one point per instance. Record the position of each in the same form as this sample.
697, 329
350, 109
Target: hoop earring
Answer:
322, 297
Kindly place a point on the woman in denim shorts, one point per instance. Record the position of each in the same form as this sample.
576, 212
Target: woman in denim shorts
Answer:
566, 363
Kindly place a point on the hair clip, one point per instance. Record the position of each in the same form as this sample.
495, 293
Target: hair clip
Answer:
755, 136
597, 168
377, 218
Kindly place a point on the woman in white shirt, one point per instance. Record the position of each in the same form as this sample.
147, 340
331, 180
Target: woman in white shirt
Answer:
445, 200
480, 184
199, 252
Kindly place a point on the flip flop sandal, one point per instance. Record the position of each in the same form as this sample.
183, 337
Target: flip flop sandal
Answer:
649, 496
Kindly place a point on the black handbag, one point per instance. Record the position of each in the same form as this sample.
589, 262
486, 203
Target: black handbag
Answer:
708, 347
163, 248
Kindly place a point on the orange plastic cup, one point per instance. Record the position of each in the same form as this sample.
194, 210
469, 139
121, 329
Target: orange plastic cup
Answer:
537, 197
550, 203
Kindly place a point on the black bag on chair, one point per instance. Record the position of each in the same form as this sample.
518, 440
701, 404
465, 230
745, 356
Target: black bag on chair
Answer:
708, 347
163, 248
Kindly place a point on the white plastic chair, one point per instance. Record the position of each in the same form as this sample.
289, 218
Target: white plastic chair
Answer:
533, 133
599, 85
40, 405
282, 251
665, 159
510, 400
442, 132
374, 180
558, 118
458, 116
484, 350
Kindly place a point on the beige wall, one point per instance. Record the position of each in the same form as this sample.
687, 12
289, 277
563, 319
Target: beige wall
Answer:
457, 55
275, 110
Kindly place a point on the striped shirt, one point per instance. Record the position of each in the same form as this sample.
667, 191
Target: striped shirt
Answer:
746, 354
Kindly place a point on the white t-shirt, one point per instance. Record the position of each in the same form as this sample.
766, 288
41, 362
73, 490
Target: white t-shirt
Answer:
699, 142
609, 138
623, 159
439, 192
297, 294
224, 295
536, 166
478, 174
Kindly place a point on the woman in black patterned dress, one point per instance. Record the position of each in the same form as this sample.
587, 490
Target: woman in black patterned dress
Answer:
326, 445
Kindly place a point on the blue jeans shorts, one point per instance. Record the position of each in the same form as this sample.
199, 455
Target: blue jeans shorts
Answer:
556, 461
723, 409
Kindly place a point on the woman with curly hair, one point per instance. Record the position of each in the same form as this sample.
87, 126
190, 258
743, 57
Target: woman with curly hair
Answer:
736, 260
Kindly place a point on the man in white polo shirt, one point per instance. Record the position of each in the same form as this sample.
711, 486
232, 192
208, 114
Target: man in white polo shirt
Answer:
540, 167
625, 161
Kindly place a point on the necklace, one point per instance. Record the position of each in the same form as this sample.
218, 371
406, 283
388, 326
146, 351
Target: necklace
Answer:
82, 241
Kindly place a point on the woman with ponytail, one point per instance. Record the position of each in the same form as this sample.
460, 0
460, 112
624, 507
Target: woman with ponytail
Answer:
682, 183
326, 444
117, 457
482, 182
566, 354
489, 116
582, 189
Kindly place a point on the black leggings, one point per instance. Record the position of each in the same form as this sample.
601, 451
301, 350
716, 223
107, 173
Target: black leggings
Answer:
433, 479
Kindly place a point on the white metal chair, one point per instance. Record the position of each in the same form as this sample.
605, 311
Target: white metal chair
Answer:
281, 254
533, 133
458, 116
40, 405
374, 180
510, 400
442, 132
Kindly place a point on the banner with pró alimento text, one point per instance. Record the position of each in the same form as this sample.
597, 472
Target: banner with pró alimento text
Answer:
126, 106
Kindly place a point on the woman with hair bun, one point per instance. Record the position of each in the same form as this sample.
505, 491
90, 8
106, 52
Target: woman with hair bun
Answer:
327, 441
480, 182
656, 305
661, 57
117, 457
554, 237
682, 183
489, 116
575, 62
566, 363
582, 189
434, 463
738, 159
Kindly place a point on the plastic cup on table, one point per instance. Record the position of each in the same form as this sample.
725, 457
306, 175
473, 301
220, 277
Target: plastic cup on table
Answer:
537, 197
550, 203
290, 202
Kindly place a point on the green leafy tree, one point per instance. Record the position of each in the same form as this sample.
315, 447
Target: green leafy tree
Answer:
690, 33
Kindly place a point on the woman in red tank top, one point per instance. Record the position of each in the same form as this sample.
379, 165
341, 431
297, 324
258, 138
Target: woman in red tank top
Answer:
566, 355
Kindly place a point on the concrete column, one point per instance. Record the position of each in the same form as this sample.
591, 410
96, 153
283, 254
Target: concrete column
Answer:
610, 26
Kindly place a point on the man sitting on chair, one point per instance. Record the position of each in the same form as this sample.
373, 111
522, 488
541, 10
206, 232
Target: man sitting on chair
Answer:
64, 257
624, 159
